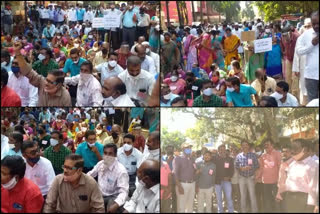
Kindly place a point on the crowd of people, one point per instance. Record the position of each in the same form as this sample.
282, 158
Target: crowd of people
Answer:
80, 160
60, 59
210, 66
280, 178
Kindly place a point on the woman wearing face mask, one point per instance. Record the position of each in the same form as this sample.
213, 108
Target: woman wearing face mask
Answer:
176, 84
80, 135
101, 133
231, 44
219, 86
57, 124
27, 195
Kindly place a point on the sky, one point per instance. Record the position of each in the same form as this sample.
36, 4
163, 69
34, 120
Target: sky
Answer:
177, 121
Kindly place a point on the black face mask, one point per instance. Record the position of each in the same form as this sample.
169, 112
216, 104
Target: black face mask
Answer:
104, 51
114, 135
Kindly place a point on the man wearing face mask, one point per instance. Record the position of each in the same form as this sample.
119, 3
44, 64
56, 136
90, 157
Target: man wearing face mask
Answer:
263, 84
207, 99
113, 179
48, 32
153, 55
166, 95
45, 63
38, 169
130, 157
114, 32
283, 97
19, 194
102, 56
116, 136
74, 185
301, 188
110, 68
56, 152
152, 149
89, 88
239, 94
147, 62
20, 84
115, 94
89, 15
146, 198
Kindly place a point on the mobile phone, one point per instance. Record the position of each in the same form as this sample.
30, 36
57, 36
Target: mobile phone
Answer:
142, 90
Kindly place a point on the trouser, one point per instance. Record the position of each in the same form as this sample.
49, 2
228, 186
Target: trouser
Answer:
296, 202
312, 87
132, 185
247, 183
115, 39
142, 31
115, 118
165, 205
269, 196
226, 187
174, 199
259, 196
73, 93
185, 201
80, 22
102, 34
236, 196
8, 29
205, 196
295, 87
289, 74
129, 35
109, 200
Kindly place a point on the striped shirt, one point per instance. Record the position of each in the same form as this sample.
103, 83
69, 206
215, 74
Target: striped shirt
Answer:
249, 159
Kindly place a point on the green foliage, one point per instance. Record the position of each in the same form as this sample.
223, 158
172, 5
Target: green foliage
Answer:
175, 138
248, 12
231, 9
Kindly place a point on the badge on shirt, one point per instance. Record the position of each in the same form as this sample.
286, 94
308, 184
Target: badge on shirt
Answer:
133, 163
83, 197
249, 161
195, 88
17, 206
210, 172
44, 142
226, 165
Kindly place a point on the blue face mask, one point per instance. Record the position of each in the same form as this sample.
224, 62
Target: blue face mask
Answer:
187, 151
15, 69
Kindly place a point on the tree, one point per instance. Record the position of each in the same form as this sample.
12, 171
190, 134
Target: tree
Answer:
248, 12
229, 8
175, 138
274, 9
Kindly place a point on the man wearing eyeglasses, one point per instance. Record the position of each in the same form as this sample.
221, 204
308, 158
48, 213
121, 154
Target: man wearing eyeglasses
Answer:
50, 89
73, 191
38, 169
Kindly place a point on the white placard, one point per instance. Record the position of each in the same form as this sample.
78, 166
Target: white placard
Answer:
98, 22
111, 20
263, 45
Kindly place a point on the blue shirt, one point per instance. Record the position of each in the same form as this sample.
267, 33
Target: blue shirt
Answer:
89, 157
173, 96
129, 162
12, 152
128, 16
242, 161
80, 14
74, 69
243, 98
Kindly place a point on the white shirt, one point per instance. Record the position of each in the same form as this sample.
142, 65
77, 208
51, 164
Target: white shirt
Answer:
156, 59
123, 101
44, 13
149, 155
61, 15
88, 15
27, 92
238, 34
72, 16
129, 162
291, 101
106, 72
101, 116
144, 200
87, 30
88, 93
143, 21
113, 180
51, 14
114, 12
148, 65
42, 174
313, 103
4, 146
305, 47
144, 80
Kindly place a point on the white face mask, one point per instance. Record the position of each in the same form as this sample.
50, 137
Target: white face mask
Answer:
3, 63
207, 92
91, 144
230, 89
108, 160
174, 78
168, 96
84, 129
99, 131
277, 95
112, 63
90, 36
12, 183
53, 142
76, 62
58, 37
267, 30
154, 152
147, 50
127, 147
76, 45
41, 57
85, 77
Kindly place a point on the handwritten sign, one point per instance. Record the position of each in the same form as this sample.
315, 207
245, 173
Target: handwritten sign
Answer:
111, 20
248, 35
262, 45
98, 22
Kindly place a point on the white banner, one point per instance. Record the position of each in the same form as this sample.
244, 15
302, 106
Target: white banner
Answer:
262, 45
98, 22
112, 20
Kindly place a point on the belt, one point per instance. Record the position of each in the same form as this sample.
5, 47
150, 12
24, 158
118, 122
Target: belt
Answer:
187, 181
128, 27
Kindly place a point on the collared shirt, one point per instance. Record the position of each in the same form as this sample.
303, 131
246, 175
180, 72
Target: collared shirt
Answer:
89, 157
269, 167
99, 59
44, 13
106, 72
173, 96
283, 175
25, 197
45, 116
133, 84
123, 101
129, 162
305, 47
148, 65
208, 172
143, 20
243, 98
42, 174
8, 66
184, 168
72, 16
114, 12
80, 13
88, 93
249, 159
144, 200
147, 155
43, 69
9, 98
291, 101
270, 87
156, 60
56, 158
225, 168
303, 176
112, 180
290, 46
12, 152
89, 15
74, 69
63, 198
109, 139
238, 34
27, 92
128, 17
215, 101
4, 146
61, 98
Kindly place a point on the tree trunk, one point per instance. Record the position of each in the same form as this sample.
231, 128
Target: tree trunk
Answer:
201, 12
179, 14
208, 16
193, 15
168, 18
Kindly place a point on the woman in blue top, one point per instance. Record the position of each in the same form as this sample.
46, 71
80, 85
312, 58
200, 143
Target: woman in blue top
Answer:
272, 58
216, 43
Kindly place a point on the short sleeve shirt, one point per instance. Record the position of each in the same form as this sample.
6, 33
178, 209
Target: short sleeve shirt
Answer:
74, 69
243, 98
89, 157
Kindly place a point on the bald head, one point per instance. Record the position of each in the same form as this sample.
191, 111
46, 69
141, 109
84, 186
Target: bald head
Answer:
113, 86
134, 65
141, 39
154, 140
259, 73
149, 172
